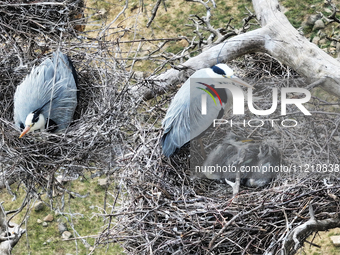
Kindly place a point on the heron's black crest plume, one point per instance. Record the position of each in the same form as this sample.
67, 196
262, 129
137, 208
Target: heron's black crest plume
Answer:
51, 125
35, 116
217, 59
39, 110
218, 70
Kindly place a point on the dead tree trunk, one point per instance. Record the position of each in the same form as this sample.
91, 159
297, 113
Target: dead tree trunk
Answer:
10, 234
278, 38
283, 42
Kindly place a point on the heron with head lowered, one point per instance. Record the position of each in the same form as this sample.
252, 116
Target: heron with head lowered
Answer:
47, 98
184, 120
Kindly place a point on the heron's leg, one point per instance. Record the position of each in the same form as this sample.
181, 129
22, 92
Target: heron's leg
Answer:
204, 155
235, 185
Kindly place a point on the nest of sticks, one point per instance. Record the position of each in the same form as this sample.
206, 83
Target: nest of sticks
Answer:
169, 211
26, 19
91, 142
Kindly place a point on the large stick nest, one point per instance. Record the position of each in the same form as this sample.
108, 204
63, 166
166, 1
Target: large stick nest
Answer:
169, 212
92, 140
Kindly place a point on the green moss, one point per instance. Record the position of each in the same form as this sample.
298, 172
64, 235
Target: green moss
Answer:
47, 240
298, 10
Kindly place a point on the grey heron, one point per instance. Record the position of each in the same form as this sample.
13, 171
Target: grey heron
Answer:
177, 127
255, 163
47, 97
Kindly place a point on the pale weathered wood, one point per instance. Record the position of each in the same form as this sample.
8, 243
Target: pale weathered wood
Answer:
278, 38
283, 42
10, 234
237, 46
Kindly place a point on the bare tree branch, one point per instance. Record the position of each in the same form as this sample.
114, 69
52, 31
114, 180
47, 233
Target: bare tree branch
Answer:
297, 236
114, 20
154, 11
10, 234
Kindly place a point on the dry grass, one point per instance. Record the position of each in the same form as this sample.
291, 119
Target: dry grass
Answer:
323, 240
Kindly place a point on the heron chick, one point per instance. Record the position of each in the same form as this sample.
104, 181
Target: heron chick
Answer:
255, 163
184, 120
47, 97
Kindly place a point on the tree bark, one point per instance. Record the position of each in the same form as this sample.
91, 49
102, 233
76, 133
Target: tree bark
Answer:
298, 235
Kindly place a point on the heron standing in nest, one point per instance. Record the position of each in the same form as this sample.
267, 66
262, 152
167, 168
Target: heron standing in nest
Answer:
253, 164
184, 120
47, 98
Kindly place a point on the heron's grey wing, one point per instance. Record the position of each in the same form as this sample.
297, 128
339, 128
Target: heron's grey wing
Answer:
64, 91
30, 94
183, 120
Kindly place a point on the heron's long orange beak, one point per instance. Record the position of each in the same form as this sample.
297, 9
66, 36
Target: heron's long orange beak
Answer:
27, 128
239, 81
